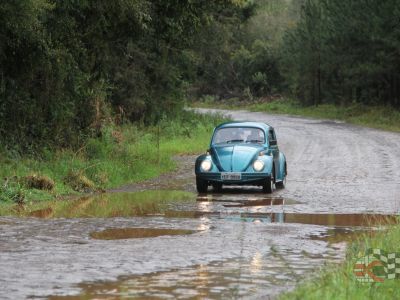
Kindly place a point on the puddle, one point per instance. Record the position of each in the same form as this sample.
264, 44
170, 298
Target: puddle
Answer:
262, 276
244, 200
345, 220
191, 214
107, 205
337, 219
344, 234
262, 202
133, 233
42, 213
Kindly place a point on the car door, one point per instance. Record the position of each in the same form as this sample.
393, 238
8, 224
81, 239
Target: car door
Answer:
273, 146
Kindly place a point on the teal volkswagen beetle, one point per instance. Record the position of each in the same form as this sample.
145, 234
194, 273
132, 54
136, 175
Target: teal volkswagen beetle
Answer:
242, 153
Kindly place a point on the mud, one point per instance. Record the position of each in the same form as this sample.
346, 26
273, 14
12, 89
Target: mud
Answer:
343, 181
136, 233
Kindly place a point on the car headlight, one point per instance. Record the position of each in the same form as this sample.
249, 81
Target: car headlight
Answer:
206, 165
258, 165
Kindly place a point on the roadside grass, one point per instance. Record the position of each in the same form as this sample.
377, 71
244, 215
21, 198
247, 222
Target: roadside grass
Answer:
380, 117
125, 154
339, 282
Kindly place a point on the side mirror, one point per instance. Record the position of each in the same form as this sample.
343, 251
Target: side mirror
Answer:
273, 143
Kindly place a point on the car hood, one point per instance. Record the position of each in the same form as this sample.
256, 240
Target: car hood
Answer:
234, 158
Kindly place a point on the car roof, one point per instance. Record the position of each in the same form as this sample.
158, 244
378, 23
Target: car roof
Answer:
260, 125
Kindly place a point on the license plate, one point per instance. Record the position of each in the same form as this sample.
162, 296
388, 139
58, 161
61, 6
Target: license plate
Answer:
231, 176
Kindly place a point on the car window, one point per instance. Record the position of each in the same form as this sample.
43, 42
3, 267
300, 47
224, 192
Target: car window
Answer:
271, 135
239, 135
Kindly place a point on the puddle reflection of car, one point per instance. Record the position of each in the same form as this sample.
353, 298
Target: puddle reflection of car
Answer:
242, 153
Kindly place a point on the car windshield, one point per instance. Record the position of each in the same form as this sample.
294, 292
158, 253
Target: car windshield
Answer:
238, 135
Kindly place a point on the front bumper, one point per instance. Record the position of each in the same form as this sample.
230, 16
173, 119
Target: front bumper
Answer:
247, 178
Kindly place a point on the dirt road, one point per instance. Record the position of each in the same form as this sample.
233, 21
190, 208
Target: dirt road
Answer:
334, 166
238, 244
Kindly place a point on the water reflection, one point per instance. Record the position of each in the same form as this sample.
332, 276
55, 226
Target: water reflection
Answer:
131, 233
245, 200
348, 220
256, 263
108, 205
263, 276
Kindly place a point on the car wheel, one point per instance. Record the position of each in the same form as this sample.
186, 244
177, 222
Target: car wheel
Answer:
282, 184
201, 185
217, 187
269, 182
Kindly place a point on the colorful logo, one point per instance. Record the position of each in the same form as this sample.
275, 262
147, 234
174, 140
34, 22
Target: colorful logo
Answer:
377, 266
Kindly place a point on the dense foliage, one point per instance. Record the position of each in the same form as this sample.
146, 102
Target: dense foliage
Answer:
345, 51
67, 67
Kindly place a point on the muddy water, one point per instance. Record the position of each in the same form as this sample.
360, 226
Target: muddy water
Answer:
168, 244
230, 279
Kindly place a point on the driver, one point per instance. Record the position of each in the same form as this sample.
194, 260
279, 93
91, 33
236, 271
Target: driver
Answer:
254, 137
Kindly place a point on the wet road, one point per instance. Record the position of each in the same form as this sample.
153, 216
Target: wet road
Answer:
334, 166
235, 244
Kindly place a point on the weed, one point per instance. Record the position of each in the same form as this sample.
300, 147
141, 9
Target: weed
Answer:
121, 154
40, 182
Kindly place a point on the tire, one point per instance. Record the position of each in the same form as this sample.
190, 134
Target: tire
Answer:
268, 186
201, 185
217, 187
282, 184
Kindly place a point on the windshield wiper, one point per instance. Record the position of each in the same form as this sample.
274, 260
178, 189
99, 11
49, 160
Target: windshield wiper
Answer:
234, 141
254, 141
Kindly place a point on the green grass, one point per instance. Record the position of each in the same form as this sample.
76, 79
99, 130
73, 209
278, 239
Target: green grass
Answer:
125, 154
380, 117
338, 282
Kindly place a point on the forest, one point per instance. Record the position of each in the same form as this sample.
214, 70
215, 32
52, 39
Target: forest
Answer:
68, 68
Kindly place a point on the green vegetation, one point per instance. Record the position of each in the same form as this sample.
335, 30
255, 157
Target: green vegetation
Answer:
122, 154
67, 67
338, 282
100, 206
315, 51
85, 87
343, 52
380, 117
